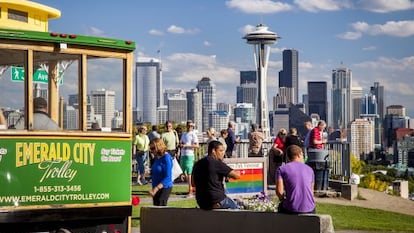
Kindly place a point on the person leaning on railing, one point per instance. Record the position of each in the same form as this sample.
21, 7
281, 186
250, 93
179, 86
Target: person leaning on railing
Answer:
316, 140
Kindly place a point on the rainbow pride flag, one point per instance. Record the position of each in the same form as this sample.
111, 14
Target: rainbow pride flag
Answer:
251, 178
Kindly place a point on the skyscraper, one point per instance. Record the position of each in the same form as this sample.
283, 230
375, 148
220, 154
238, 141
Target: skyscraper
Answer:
378, 91
249, 76
362, 138
288, 77
103, 102
369, 111
148, 88
177, 109
195, 107
342, 110
208, 88
318, 99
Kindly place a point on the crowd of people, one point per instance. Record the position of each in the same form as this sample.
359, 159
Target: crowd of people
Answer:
206, 177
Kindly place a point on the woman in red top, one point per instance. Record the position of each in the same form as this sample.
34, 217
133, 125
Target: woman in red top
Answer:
279, 144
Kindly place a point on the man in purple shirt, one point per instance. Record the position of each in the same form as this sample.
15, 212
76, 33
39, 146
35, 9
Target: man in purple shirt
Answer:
294, 184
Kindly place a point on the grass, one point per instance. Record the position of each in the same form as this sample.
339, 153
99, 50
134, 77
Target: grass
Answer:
343, 217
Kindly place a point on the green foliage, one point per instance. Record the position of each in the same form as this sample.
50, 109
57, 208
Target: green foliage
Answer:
357, 165
370, 181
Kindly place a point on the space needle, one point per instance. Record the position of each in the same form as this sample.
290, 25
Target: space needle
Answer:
260, 38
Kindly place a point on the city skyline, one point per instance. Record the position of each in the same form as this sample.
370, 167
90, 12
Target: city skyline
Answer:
372, 38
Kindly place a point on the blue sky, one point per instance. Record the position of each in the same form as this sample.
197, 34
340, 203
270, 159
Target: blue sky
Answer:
374, 38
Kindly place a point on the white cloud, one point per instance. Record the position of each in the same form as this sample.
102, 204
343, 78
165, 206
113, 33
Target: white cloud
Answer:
403, 28
350, 35
384, 6
155, 32
305, 65
247, 29
259, 6
321, 5
180, 30
392, 73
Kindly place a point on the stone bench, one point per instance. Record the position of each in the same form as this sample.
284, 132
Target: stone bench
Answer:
194, 220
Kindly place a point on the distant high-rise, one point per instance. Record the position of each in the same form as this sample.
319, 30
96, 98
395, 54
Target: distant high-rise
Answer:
362, 138
357, 99
103, 102
247, 93
218, 120
369, 110
245, 113
208, 88
195, 107
318, 99
148, 88
288, 77
342, 110
378, 91
394, 118
177, 109
249, 76
70, 121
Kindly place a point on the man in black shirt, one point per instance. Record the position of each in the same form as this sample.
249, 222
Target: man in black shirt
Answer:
208, 177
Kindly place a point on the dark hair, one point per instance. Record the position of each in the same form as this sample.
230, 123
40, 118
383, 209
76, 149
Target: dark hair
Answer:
213, 145
293, 151
39, 102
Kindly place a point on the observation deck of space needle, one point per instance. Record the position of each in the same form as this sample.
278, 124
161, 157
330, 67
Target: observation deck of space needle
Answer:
260, 39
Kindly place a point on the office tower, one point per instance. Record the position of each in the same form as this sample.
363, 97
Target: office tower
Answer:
195, 107
148, 88
177, 109
261, 38
279, 101
229, 108
280, 119
208, 88
172, 92
318, 99
117, 120
369, 110
71, 118
288, 77
162, 114
357, 99
403, 147
362, 138
247, 93
394, 118
74, 102
342, 110
249, 76
219, 120
103, 102
378, 91
245, 113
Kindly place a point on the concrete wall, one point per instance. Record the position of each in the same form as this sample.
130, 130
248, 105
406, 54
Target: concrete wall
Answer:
194, 220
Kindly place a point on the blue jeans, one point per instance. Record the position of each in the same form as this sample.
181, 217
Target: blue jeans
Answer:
228, 203
141, 157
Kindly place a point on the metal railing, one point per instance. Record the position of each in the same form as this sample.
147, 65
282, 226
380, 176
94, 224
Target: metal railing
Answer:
339, 156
